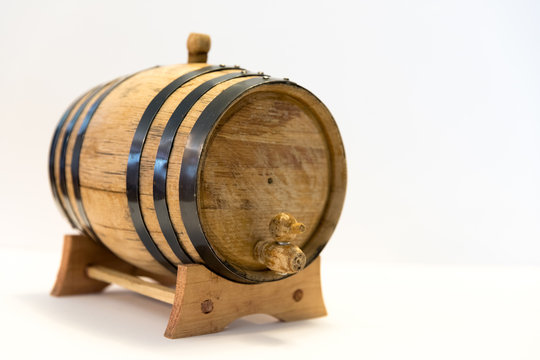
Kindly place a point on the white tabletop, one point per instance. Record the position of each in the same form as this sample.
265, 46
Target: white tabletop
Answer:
376, 311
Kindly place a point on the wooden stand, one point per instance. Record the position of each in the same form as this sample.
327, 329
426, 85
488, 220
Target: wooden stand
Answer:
202, 302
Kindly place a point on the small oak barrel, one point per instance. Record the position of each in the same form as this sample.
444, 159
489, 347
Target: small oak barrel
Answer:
198, 163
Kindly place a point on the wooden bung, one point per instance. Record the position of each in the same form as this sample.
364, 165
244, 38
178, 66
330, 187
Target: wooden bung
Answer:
198, 47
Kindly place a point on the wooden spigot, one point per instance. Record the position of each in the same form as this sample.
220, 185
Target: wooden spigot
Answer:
198, 47
279, 254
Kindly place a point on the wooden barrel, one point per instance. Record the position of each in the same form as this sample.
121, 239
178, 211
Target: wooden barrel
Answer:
198, 163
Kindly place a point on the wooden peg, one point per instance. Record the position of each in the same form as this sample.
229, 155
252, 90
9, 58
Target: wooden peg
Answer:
198, 46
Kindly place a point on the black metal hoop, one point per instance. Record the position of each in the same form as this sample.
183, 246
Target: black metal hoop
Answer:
63, 153
190, 169
52, 155
164, 153
133, 166
75, 159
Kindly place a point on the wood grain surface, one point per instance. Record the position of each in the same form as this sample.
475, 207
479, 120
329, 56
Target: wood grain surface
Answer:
202, 302
275, 149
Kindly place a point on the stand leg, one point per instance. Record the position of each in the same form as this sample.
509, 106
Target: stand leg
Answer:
206, 303
80, 251
202, 301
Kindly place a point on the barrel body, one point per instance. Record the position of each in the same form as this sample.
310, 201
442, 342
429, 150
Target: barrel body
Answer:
188, 164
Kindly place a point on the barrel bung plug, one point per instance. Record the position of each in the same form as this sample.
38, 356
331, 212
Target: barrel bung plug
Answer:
198, 47
279, 254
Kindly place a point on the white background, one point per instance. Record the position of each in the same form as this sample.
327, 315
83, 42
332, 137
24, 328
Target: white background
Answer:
438, 104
